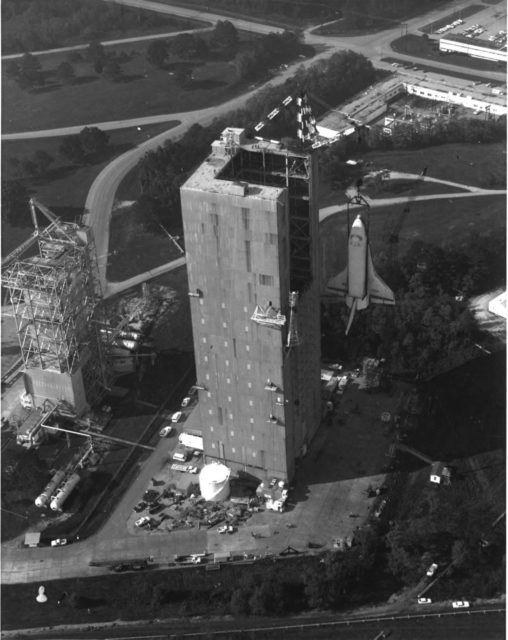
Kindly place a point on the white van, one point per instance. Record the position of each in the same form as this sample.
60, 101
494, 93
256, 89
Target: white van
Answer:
181, 454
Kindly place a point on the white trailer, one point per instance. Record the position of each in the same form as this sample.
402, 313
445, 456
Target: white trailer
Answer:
191, 440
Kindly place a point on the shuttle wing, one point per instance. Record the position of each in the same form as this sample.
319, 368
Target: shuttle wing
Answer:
338, 284
379, 291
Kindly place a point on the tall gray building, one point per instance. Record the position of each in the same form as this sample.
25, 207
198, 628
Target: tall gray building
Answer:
251, 235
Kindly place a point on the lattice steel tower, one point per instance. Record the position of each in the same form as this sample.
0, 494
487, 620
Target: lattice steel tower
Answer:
55, 297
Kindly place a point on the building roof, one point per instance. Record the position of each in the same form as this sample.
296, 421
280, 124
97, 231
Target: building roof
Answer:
32, 537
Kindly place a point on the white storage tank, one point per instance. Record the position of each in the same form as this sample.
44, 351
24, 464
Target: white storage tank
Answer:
63, 493
42, 500
214, 482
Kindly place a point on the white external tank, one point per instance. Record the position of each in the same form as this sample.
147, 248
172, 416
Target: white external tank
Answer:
63, 493
214, 482
49, 489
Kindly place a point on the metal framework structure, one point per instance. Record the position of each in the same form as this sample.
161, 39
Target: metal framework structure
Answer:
55, 297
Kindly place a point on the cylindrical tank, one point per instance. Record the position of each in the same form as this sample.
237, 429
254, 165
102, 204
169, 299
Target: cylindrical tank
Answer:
42, 500
63, 493
214, 482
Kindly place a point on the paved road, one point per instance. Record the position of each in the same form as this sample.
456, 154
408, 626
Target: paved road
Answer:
195, 14
107, 43
486, 623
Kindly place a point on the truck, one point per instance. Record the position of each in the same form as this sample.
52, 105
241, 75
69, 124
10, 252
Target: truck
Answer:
192, 440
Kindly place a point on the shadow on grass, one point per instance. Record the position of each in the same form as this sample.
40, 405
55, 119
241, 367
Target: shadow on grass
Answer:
129, 78
84, 80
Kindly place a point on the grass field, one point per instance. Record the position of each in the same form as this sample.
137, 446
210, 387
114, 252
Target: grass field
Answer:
141, 90
65, 187
439, 222
139, 245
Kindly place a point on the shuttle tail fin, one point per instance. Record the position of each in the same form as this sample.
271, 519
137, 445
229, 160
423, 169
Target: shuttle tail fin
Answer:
351, 315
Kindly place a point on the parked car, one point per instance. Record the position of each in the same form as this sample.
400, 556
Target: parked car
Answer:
166, 431
142, 522
424, 601
140, 506
222, 529
59, 542
176, 416
186, 401
432, 569
460, 604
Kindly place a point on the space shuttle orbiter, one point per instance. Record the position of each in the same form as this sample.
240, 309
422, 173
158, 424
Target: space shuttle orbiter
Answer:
359, 283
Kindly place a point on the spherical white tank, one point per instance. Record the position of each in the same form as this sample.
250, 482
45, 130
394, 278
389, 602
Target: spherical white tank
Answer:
214, 482
63, 493
41, 500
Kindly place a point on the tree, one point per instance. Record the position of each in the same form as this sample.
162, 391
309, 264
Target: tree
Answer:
112, 70
95, 53
30, 71
12, 69
72, 149
224, 36
29, 168
42, 160
93, 140
157, 53
65, 72
15, 204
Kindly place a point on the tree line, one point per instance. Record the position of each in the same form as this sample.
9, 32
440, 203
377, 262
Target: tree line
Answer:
30, 25
163, 171
84, 148
430, 324
28, 73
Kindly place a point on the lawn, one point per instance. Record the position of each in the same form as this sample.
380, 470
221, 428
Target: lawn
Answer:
141, 90
138, 243
65, 187
444, 222
424, 47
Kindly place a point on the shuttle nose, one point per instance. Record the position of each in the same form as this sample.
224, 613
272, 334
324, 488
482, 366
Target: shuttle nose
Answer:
358, 223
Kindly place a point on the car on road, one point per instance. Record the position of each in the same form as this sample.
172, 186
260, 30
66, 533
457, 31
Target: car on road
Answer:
140, 506
176, 416
166, 431
59, 542
142, 522
424, 601
432, 569
460, 604
186, 402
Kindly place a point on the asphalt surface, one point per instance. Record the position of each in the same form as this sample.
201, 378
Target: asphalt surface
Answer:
482, 624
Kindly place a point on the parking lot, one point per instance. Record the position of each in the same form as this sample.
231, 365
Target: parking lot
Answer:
332, 496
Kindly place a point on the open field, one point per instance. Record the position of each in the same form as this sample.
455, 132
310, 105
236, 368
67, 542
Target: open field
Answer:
138, 243
140, 90
64, 187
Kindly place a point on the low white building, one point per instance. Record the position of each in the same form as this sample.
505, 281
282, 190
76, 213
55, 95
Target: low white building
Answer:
473, 47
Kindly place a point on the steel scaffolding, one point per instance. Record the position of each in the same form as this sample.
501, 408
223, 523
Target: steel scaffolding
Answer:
55, 297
